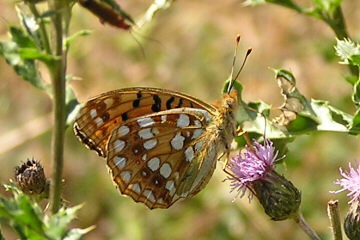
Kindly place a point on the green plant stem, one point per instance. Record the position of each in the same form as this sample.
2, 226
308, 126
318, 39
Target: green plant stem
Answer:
42, 27
299, 219
334, 216
58, 86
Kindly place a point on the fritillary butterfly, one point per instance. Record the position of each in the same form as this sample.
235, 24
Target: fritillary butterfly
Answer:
160, 145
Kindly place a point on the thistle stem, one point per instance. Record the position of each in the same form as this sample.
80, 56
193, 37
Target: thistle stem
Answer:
299, 219
334, 216
58, 86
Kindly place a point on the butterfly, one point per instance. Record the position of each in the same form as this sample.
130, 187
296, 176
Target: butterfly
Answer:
160, 145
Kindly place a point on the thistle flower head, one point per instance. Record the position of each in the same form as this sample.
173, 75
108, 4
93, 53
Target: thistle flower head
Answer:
251, 165
349, 182
254, 170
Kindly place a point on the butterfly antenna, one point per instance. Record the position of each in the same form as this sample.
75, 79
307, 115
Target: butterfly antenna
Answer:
237, 40
241, 68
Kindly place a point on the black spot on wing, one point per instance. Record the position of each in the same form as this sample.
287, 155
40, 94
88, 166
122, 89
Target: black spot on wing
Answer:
124, 116
156, 107
180, 103
168, 102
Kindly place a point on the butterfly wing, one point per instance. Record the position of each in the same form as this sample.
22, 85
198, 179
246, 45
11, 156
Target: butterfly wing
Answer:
100, 115
162, 157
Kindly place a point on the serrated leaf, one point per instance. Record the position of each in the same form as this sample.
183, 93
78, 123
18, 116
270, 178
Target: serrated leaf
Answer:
20, 211
308, 115
346, 49
77, 233
355, 124
56, 225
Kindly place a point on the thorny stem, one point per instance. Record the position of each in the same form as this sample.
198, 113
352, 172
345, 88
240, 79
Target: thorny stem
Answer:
58, 86
299, 219
334, 216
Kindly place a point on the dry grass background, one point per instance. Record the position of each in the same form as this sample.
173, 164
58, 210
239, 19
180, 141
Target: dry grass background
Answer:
188, 48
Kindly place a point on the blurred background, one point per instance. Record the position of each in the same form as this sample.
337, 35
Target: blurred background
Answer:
188, 48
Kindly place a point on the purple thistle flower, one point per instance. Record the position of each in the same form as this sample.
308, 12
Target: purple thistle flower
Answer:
251, 165
350, 182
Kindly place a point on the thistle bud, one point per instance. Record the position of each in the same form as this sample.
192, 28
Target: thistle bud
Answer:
278, 196
30, 177
352, 222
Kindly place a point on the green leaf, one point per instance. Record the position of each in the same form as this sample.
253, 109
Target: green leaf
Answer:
355, 124
16, 51
56, 225
356, 93
23, 214
31, 26
1, 236
30, 223
33, 53
299, 114
328, 6
80, 33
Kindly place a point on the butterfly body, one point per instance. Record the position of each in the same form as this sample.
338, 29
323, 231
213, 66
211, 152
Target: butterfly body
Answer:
160, 145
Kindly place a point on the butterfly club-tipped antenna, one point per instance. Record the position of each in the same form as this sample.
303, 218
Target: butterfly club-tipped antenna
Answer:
233, 79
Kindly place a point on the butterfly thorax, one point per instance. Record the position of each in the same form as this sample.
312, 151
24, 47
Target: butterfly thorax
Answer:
226, 124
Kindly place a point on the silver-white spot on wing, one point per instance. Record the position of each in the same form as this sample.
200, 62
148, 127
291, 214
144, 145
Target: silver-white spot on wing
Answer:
123, 130
150, 144
145, 122
178, 141
149, 195
119, 145
135, 187
154, 164
165, 170
93, 113
120, 162
125, 176
183, 121
145, 133
189, 154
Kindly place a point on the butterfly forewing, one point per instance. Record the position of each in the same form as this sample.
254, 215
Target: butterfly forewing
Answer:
100, 115
154, 158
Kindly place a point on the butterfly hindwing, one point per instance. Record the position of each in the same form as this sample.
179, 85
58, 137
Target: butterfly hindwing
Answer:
100, 115
162, 157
